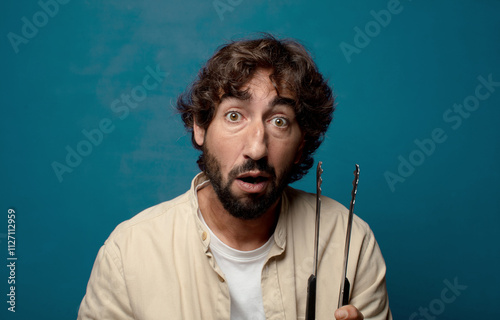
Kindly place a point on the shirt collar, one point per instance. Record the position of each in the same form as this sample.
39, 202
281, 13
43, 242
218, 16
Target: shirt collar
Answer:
200, 180
202, 231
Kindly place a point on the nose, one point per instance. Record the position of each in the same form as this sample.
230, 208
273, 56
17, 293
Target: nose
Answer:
256, 141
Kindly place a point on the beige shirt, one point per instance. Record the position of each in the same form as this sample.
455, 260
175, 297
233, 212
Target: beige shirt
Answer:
158, 265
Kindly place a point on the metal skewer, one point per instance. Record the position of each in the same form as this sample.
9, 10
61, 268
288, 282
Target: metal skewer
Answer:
311, 282
345, 285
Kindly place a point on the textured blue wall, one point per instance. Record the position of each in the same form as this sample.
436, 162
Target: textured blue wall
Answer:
418, 93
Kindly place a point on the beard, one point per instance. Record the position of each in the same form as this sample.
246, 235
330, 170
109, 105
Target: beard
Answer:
252, 206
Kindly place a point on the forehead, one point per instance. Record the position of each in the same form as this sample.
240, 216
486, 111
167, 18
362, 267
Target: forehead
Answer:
263, 80
261, 88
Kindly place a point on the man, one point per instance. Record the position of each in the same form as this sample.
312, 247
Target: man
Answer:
239, 243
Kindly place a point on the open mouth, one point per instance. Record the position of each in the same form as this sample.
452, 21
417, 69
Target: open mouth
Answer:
253, 180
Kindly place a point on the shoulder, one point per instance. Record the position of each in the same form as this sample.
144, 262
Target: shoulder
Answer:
154, 219
302, 205
306, 200
170, 211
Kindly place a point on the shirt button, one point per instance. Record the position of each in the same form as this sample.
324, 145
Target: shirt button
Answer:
204, 236
221, 279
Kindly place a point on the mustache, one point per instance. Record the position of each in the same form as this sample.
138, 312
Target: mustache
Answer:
249, 165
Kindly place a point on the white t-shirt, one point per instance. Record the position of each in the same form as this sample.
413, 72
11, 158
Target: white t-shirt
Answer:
242, 270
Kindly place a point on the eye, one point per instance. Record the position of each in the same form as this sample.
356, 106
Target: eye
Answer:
279, 122
233, 116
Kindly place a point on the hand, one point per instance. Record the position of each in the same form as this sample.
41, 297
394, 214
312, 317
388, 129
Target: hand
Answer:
348, 312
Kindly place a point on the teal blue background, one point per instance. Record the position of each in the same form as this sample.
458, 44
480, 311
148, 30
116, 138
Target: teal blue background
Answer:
441, 223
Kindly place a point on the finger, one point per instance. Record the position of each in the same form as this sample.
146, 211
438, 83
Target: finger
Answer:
348, 312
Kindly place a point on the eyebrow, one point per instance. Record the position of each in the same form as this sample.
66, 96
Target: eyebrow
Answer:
278, 100
244, 96
283, 101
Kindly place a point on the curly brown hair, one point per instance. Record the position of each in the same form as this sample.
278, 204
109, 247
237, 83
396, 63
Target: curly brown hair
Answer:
293, 71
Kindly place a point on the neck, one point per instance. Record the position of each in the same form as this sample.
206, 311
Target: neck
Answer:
244, 235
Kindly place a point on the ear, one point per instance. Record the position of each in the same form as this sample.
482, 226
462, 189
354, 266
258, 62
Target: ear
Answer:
298, 154
199, 134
